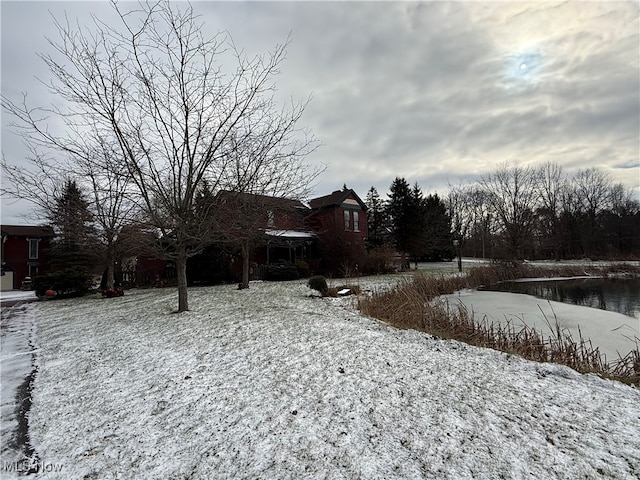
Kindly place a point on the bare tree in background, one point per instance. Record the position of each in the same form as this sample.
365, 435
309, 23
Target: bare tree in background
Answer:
552, 185
513, 196
592, 191
157, 87
92, 163
113, 200
470, 212
591, 195
265, 175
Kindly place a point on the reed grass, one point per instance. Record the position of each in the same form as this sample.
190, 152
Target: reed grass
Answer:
414, 303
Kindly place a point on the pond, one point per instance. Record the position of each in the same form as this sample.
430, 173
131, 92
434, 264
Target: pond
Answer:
620, 295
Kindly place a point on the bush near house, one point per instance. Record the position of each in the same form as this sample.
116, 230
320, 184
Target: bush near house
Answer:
380, 260
304, 271
282, 271
318, 283
72, 282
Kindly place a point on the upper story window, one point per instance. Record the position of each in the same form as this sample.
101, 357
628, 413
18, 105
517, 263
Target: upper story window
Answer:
347, 220
356, 221
33, 248
271, 218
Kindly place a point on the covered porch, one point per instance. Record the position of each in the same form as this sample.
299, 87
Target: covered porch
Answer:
284, 247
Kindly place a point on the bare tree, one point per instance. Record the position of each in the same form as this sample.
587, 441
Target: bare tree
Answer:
592, 194
470, 212
113, 199
513, 196
593, 190
92, 163
40, 183
157, 87
552, 185
265, 175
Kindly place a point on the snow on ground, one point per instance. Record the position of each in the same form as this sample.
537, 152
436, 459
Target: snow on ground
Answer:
613, 333
13, 296
272, 383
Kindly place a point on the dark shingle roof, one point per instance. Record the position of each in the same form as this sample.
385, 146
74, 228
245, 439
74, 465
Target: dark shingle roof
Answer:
334, 199
275, 202
27, 230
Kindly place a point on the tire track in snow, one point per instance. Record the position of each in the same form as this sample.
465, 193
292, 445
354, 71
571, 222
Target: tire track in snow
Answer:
18, 369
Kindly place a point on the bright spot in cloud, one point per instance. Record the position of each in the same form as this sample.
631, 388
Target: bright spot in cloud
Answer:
523, 68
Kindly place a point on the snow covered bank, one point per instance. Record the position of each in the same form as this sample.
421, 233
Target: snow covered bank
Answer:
270, 383
613, 333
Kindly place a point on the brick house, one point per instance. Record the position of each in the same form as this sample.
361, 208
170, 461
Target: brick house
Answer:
340, 222
274, 226
25, 253
328, 234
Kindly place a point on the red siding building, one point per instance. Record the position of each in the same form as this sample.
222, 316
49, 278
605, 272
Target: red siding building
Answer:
25, 252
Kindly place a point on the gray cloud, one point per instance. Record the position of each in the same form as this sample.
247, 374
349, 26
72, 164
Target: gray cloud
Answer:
435, 92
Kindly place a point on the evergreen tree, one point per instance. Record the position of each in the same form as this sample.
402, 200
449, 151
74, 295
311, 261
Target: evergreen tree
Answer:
376, 218
400, 211
419, 237
74, 248
439, 240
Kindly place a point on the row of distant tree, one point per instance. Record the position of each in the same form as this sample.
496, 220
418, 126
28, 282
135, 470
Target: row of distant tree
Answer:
543, 212
515, 212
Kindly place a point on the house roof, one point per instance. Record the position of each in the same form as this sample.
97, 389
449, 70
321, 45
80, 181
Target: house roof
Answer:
27, 231
279, 202
335, 199
289, 234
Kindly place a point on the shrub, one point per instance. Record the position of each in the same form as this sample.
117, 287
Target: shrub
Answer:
71, 282
116, 292
303, 269
319, 283
282, 272
380, 260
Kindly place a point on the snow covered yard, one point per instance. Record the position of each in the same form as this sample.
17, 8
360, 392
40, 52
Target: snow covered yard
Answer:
270, 383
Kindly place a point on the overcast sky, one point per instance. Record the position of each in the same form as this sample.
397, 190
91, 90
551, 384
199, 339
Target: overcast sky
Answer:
439, 92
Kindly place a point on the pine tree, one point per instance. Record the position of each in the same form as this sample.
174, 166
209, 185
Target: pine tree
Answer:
376, 218
74, 248
439, 239
400, 211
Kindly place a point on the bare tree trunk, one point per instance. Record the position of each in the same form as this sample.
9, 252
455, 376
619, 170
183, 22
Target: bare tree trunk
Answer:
181, 271
111, 260
110, 275
245, 265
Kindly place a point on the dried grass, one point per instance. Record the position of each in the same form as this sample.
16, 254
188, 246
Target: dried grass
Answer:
414, 304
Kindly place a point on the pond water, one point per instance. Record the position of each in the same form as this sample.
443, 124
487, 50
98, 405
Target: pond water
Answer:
616, 295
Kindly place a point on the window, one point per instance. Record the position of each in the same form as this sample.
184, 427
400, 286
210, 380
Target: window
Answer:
33, 248
347, 219
356, 221
271, 218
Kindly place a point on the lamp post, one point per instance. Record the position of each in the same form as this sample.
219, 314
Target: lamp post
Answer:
456, 243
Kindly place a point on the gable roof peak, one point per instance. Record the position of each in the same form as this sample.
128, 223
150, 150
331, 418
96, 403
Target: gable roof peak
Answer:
336, 198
